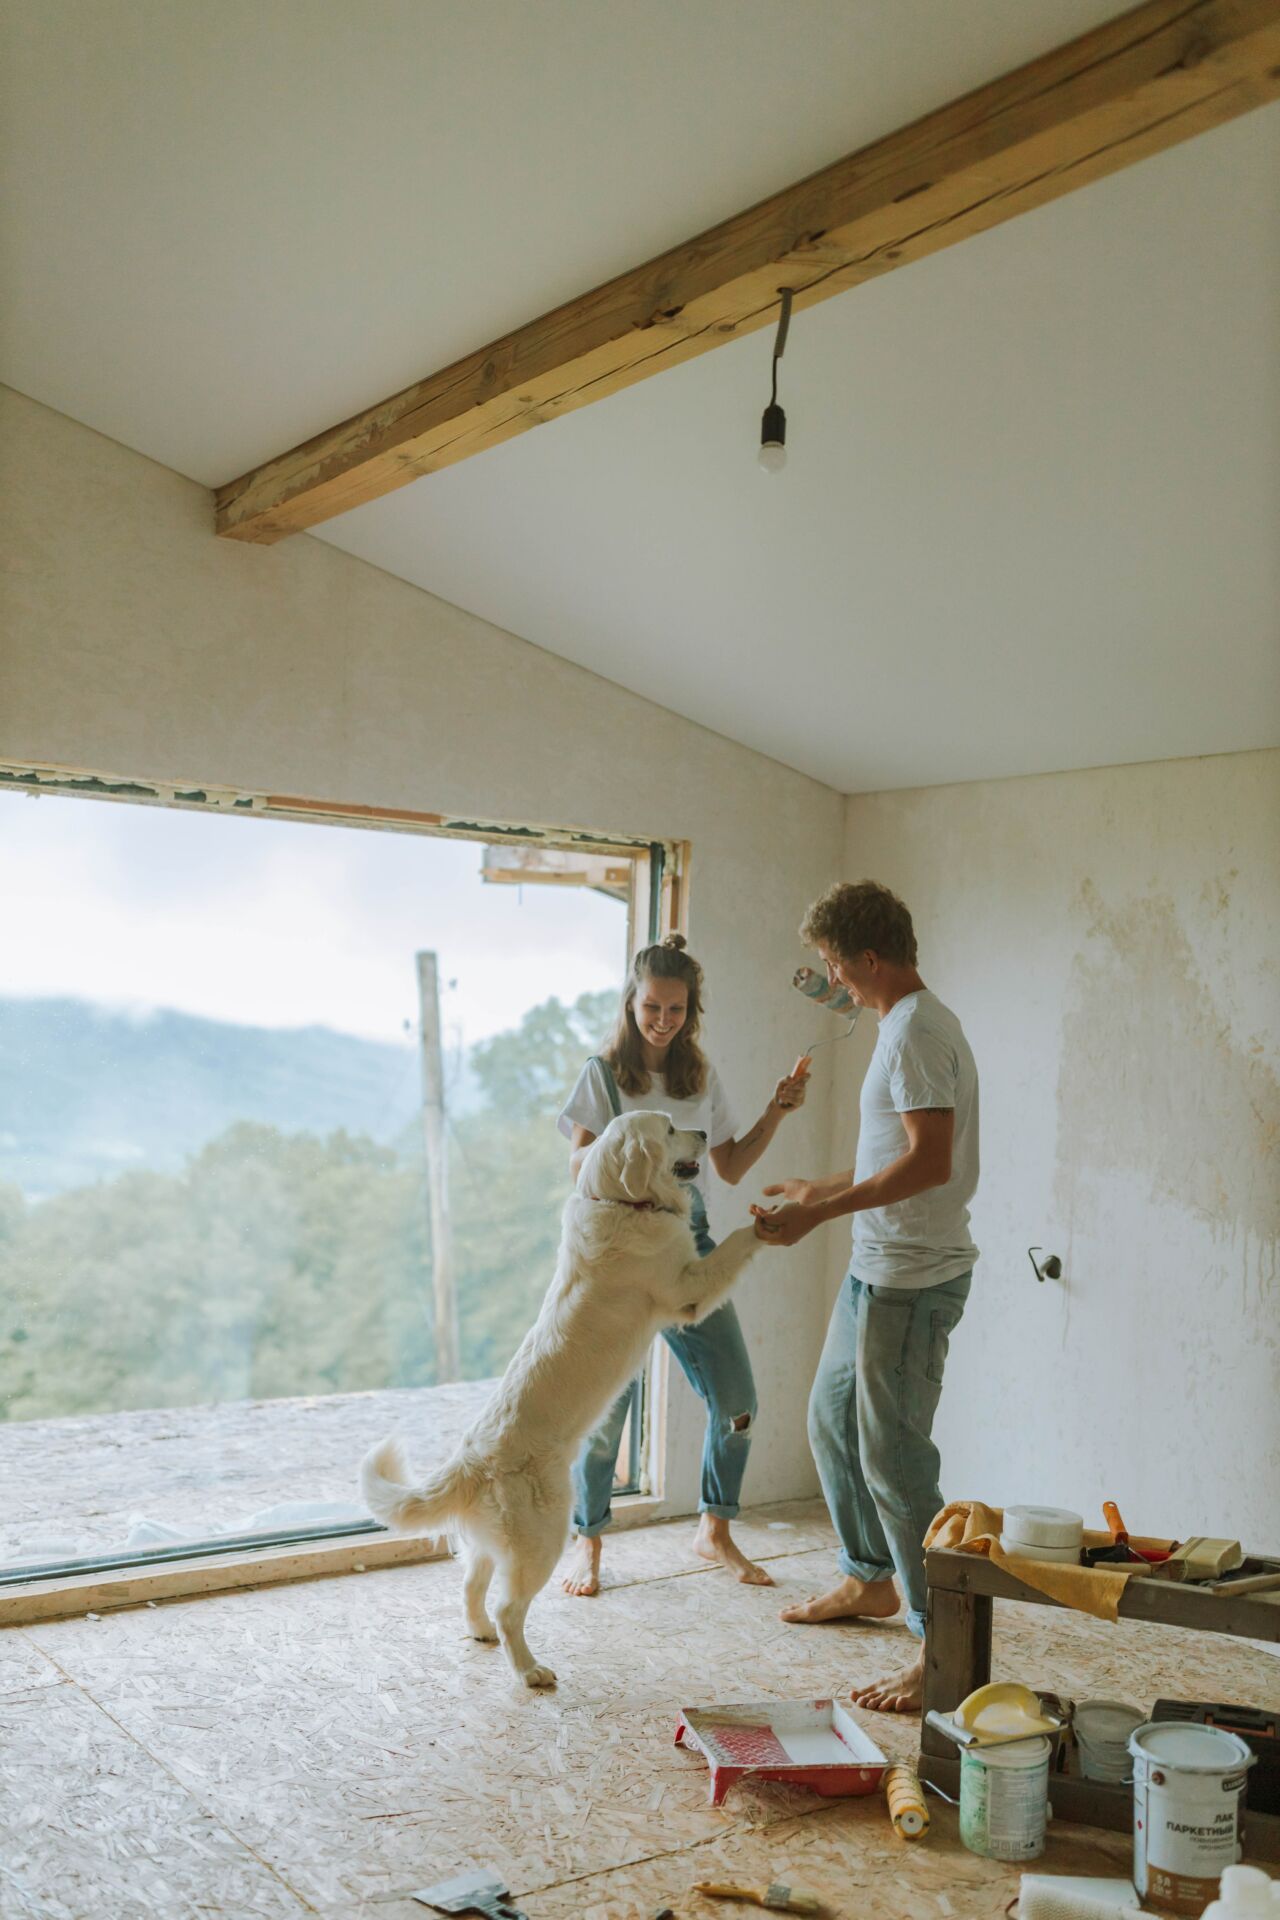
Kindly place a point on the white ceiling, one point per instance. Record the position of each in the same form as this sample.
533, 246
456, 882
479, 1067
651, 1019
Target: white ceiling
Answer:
1029, 516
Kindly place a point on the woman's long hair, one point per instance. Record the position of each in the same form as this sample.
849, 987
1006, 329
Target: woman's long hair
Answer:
684, 1072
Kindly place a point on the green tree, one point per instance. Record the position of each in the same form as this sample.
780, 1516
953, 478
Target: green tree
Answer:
283, 1263
526, 1073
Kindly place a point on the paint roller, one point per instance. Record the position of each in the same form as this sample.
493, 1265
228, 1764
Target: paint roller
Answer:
824, 993
1045, 1896
907, 1809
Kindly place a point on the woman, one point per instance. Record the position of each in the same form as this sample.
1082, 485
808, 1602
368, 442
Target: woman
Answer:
653, 1063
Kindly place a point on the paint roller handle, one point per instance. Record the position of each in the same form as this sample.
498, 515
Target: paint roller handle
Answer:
792, 1088
1119, 1532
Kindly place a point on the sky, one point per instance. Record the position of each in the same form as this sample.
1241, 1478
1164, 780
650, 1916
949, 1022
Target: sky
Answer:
276, 924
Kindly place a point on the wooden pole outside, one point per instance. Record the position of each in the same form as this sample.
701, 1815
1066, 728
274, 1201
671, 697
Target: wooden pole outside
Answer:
444, 1283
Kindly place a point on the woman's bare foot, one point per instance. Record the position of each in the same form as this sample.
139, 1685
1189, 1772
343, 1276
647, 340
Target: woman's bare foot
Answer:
583, 1574
713, 1542
850, 1600
902, 1692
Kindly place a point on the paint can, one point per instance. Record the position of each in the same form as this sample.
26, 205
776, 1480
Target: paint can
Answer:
1188, 1797
1004, 1794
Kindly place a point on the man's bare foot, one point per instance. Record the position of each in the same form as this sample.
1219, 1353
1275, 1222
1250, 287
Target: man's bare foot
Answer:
851, 1600
583, 1574
714, 1542
902, 1692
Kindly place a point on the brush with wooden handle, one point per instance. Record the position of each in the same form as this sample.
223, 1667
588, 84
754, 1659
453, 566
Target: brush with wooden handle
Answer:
781, 1899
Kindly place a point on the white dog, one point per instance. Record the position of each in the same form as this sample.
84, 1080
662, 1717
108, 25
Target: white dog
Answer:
626, 1269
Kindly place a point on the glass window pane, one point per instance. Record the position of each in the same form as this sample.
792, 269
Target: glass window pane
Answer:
215, 1239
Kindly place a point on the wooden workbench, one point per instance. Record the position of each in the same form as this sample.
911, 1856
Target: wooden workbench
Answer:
962, 1587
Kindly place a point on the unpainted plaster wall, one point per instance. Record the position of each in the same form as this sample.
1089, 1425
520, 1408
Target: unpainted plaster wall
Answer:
1109, 940
135, 643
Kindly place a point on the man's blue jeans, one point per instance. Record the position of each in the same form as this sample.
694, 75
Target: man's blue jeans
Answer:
871, 1422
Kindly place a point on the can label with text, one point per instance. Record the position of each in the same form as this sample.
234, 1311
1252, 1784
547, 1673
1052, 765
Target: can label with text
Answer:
1188, 1795
1003, 1796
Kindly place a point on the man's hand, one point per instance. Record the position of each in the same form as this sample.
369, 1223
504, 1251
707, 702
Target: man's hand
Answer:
783, 1226
802, 1192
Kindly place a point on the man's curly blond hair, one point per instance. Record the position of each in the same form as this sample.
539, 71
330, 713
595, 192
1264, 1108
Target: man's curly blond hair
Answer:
857, 915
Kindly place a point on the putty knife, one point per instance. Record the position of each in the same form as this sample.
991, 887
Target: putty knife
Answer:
475, 1890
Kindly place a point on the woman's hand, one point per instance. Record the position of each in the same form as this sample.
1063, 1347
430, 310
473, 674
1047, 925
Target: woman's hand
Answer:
792, 1088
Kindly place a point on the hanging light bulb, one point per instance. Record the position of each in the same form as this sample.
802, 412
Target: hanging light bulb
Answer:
773, 440
773, 425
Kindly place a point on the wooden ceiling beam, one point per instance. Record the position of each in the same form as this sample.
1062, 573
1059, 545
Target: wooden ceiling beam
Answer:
1145, 81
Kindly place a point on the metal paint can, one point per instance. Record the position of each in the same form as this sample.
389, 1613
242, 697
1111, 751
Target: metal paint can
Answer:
1188, 1798
1004, 1794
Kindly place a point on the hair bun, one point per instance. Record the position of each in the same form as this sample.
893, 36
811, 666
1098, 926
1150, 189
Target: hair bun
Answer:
676, 941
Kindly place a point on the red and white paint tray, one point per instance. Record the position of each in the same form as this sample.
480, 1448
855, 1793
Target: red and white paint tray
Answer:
804, 1743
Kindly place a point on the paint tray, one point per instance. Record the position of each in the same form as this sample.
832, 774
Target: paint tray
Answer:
804, 1743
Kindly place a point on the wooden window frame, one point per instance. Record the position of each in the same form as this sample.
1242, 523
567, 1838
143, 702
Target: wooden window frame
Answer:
25, 1599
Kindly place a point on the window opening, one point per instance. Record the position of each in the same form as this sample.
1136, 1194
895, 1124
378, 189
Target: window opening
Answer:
206, 1255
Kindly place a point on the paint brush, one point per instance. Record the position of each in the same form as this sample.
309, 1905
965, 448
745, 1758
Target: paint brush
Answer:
781, 1899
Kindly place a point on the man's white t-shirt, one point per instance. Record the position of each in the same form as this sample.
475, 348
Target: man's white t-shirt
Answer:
922, 1059
589, 1106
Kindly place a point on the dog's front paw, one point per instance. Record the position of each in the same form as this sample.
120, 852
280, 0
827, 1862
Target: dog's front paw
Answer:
482, 1629
538, 1677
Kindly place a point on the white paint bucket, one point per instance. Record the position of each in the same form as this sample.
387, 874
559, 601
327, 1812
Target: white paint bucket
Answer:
1102, 1729
1003, 1798
1188, 1794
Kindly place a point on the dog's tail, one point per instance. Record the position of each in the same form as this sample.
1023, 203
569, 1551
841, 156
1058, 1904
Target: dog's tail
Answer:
407, 1509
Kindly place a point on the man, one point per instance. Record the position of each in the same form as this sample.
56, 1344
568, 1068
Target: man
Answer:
879, 1380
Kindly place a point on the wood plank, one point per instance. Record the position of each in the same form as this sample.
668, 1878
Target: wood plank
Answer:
1252, 1616
1158, 75
72, 1595
76, 1594
957, 1656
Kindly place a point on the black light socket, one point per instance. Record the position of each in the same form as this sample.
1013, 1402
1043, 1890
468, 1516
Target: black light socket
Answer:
773, 426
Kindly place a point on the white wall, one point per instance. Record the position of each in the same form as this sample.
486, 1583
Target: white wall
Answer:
133, 642
1109, 940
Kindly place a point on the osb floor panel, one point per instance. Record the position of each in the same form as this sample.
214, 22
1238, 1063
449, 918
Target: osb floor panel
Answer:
74, 1486
326, 1748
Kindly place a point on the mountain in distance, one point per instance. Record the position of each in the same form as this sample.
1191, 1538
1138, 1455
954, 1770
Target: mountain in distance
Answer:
88, 1092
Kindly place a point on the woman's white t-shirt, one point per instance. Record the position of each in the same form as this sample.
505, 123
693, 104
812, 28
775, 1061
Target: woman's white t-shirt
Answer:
589, 1106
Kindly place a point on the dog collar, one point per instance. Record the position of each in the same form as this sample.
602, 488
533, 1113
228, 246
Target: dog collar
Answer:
637, 1206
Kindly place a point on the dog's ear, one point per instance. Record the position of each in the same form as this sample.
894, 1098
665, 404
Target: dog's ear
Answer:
589, 1170
601, 1172
643, 1165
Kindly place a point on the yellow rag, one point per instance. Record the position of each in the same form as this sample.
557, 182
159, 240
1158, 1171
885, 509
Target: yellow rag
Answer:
967, 1526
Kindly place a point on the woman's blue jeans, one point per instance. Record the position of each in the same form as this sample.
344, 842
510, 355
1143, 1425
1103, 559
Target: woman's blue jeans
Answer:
715, 1361
871, 1422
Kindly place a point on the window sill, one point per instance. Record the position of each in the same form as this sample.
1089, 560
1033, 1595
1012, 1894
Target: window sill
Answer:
78, 1594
